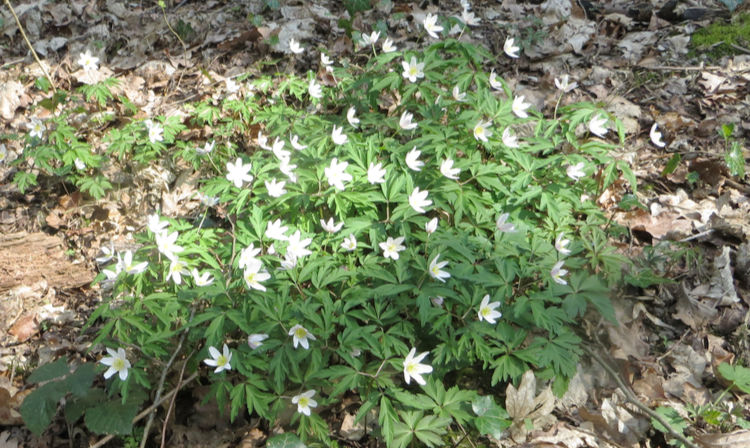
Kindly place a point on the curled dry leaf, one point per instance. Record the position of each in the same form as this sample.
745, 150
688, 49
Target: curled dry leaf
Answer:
523, 404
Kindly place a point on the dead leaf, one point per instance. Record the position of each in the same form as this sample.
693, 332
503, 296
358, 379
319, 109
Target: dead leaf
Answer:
24, 328
736, 439
523, 405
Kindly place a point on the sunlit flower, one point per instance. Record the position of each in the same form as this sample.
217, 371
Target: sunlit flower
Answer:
413, 69
431, 225
118, 363
519, 107
155, 131
351, 117
376, 173
36, 128
275, 230
481, 130
487, 310
418, 200
494, 83
275, 189
295, 46
107, 253
177, 268
199, 279
435, 269
557, 272
431, 26
412, 159
337, 135
304, 402
288, 170
388, 46
406, 123
575, 172
510, 48
564, 84
129, 267
156, 225
469, 18
336, 174
349, 243
279, 151
231, 85
296, 144
248, 254
219, 360
256, 340
509, 139
80, 165
297, 247
561, 244
300, 336
502, 224
314, 89
414, 369
207, 148
458, 95
88, 62
370, 39
447, 170
391, 247
254, 274
288, 263
656, 137
598, 125
238, 172
263, 141
325, 60
165, 243
330, 226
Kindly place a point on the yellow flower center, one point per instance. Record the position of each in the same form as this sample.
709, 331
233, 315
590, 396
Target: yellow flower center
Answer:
435, 270
410, 367
479, 130
118, 364
250, 277
301, 333
221, 361
413, 71
304, 402
485, 311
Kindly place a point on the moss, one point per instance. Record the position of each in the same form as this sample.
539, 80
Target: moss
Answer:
717, 38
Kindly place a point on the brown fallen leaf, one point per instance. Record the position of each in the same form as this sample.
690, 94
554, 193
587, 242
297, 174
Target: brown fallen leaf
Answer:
24, 328
524, 405
736, 439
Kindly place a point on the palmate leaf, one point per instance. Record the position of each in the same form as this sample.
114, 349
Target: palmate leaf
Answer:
286, 440
738, 375
491, 419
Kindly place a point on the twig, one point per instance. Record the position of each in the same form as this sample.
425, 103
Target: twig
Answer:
148, 410
630, 396
171, 403
31, 47
696, 236
164, 377
740, 49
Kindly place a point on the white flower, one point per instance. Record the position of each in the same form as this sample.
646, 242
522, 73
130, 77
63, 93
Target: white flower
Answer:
509, 139
80, 166
431, 26
349, 243
238, 172
656, 137
297, 247
413, 69
598, 125
156, 225
469, 18
165, 243
447, 170
256, 340
370, 39
275, 230
288, 263
330, 226
219, 360
231, 85
438, 301
519, 107
376, 173
561, 244
199, 279
414, 369
304, 402
564, 84
388, 46
88, 62
248, 254
108, 253
128, 266
494, 83
336, 174
391, 247
3, 153
418, 200
351, 117
288, 169
263, 141
254, 274
431, 225
487, 310
575, 172
295, 46
557, 272
275, 189
338, 137
406, 123
504, 226
314, 89
36, 128
412, 159
208, 201
435, 271
117, 362
355, 353
177, 268
458, 95
279, 151
207, 148
481, 131
325, 60
296, 144
155, 131
300, 336
510, 48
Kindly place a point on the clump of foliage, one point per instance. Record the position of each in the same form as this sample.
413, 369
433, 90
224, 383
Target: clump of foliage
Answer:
718, 37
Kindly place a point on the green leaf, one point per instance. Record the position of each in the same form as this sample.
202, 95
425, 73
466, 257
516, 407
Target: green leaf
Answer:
672, 417
286, 440
40, 406
672, 164
491, 419
738, 375
50, 371
80, 381
112, 417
